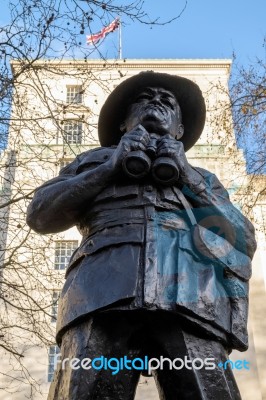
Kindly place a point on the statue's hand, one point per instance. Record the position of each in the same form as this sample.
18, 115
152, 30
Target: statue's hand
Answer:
137, 139
174, 149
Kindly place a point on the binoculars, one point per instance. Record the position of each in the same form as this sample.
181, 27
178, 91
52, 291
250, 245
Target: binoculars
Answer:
137, 164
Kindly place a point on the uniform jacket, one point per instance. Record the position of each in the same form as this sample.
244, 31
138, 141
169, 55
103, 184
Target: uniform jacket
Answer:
141, 251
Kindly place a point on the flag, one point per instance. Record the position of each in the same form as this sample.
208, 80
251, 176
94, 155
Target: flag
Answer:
95, 38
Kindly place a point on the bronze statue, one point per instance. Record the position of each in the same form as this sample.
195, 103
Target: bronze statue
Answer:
165, 259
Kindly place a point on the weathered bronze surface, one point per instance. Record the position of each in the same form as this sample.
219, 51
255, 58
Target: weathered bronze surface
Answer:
165, 259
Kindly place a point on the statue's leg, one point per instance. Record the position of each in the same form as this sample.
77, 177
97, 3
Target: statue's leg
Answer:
187, 383
106, 335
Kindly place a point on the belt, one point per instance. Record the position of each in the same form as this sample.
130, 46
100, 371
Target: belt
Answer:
111, 218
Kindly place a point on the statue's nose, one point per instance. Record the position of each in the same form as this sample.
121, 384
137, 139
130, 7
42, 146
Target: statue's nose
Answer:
156, 99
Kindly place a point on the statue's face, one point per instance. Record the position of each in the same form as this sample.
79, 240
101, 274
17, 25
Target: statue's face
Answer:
157, 110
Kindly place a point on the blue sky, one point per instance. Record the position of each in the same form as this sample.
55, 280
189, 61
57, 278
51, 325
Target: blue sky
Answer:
206, 29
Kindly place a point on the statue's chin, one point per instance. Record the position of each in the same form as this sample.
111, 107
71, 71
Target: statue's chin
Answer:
154, 125
155, 128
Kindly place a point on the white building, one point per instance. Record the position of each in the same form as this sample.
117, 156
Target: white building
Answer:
54, 118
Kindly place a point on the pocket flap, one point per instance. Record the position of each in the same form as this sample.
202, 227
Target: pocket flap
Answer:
113, 236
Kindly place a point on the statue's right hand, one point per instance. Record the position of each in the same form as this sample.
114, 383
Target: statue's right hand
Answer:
136, 139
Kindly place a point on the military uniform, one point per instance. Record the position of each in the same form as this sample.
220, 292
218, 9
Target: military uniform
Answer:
137, 252
161, 270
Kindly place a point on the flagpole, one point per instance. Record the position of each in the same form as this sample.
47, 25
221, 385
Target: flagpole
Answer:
120, 40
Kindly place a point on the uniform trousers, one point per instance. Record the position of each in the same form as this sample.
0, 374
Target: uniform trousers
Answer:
136, 334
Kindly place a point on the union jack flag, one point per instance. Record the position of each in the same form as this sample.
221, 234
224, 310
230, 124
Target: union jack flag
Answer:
96, 37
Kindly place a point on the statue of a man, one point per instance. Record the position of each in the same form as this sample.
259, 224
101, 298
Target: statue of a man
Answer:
165, 259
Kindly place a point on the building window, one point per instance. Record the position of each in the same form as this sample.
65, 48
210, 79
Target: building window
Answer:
63, 252
74, 94
52, 361
55, 298
73, 132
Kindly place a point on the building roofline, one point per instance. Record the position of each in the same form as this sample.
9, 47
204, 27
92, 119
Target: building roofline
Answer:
135, 63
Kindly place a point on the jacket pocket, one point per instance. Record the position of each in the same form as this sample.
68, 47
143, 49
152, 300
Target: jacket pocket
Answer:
107, 237
118, 192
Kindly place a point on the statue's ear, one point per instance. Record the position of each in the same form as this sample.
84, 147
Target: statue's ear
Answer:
123, 126
180, 132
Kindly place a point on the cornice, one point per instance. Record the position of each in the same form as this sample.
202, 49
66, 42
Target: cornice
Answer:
175, 64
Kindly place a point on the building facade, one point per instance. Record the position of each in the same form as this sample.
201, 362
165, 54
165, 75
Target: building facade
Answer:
54, 118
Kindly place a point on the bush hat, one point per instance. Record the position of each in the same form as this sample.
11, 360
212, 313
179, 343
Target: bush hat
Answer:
187, 93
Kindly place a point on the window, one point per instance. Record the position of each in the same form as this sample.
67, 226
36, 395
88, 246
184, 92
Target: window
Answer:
52, 361
73, 132
74, 94
55, 298
63, 252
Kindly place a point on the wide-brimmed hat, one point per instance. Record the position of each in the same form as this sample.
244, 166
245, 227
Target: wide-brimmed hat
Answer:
187, 93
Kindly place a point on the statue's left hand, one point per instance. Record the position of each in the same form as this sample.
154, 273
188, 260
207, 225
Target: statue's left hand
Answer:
170, 147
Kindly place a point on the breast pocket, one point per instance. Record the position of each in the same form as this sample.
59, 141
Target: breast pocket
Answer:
113, 236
